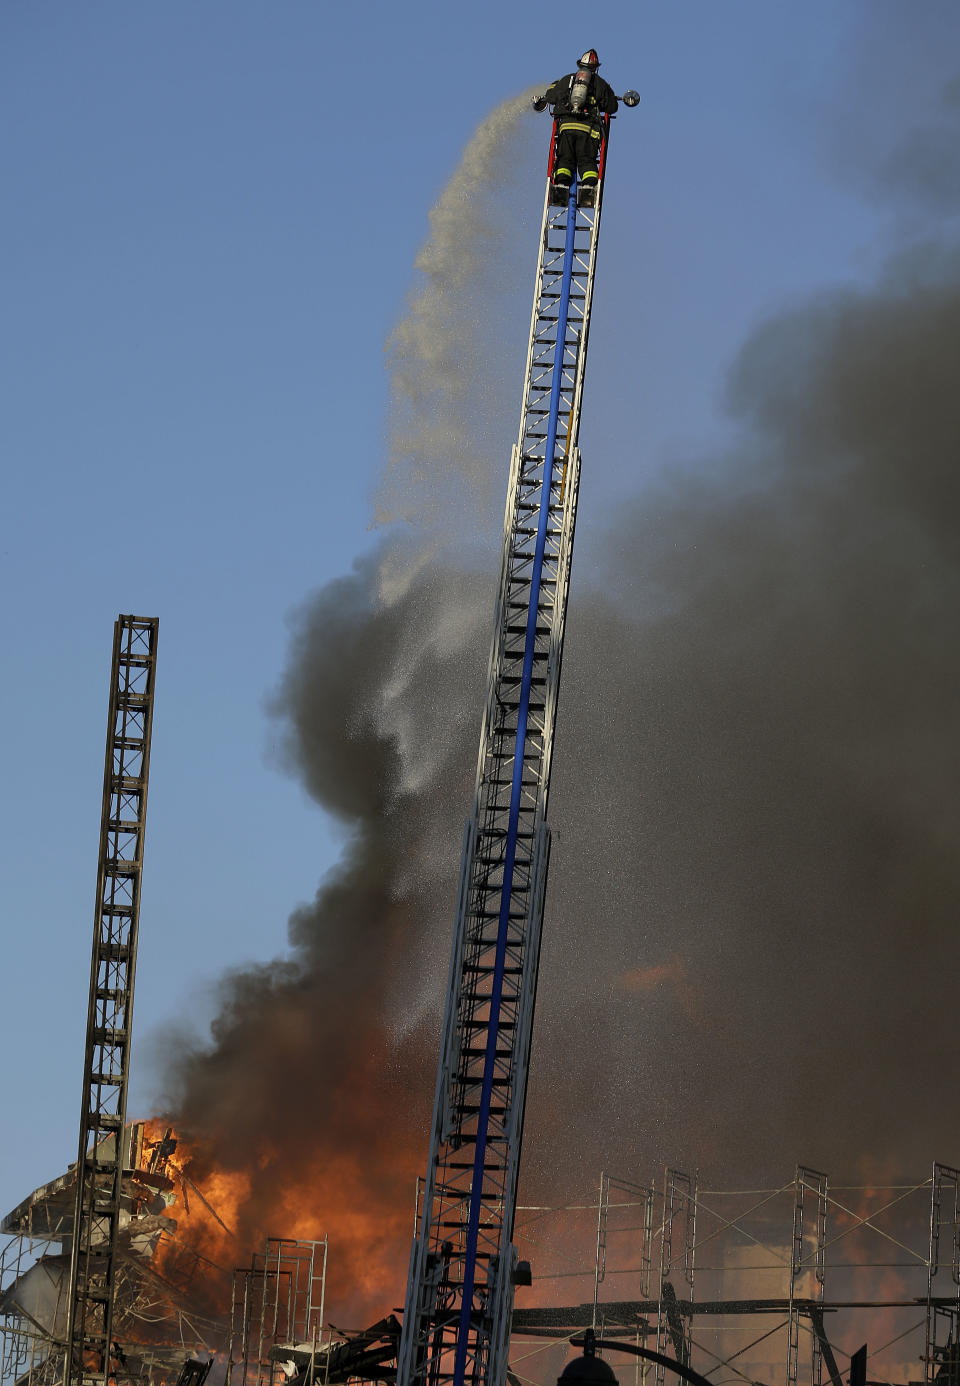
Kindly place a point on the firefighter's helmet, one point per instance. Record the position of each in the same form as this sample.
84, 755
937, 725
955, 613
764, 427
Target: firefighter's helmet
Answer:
590, 61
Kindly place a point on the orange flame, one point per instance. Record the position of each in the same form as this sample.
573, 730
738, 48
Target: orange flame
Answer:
221, 1223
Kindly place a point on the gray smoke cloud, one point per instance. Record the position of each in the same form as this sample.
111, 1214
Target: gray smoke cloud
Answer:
757, 762
750, 934
316, 1083
925, 168
439, 355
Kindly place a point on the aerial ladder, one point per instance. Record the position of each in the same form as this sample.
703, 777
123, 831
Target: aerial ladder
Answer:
92, 1357
463, 1263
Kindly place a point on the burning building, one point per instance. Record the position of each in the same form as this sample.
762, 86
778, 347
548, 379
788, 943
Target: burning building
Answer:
167, 1292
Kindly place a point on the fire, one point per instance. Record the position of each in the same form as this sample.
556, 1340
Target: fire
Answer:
195, 1250
223, 1216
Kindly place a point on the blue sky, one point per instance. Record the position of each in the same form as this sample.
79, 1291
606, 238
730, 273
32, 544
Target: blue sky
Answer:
210, 219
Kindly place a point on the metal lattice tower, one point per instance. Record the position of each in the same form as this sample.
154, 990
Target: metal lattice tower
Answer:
460, 1290
100, 1160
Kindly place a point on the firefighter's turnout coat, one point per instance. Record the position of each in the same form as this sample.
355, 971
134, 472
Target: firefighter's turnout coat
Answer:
579, 132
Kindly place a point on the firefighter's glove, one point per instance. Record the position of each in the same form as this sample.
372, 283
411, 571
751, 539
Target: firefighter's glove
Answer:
539, 103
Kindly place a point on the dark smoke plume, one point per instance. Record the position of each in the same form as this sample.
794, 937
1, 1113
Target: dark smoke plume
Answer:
751, 936
318, 1083
313, 1086
768, 704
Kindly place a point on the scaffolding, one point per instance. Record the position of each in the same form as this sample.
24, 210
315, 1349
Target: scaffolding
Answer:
33, 1311
156, 1277
678, 1229
276, 1301
791, 1281
807, 1256
635, 1196
943, 1274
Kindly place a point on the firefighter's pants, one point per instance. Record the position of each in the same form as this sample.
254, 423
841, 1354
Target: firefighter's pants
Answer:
578, 147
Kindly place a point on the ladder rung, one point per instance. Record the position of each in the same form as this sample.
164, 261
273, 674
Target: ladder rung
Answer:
481, 969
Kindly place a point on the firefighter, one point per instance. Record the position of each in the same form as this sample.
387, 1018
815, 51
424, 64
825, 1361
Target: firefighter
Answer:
579, 100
